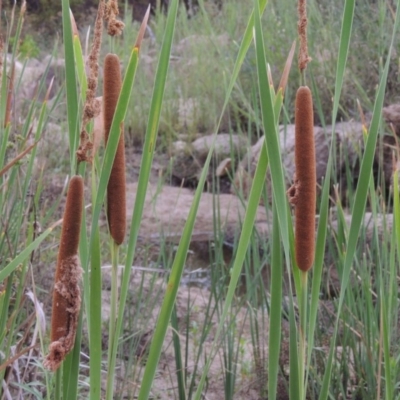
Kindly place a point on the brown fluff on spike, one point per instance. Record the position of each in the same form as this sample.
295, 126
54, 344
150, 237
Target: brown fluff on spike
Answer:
116, 189
303, 193
66, 294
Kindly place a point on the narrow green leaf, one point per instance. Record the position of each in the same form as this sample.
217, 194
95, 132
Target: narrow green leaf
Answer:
271, 134
71, 83
95, 338
275, 317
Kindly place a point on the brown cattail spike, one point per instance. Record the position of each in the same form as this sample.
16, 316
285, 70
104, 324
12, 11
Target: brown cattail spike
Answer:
303, 192
116, 189
66, 294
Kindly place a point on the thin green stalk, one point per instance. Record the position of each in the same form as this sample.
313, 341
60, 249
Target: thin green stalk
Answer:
387, 313
94, 312
3, 148
294, 373
71, 83
71, 364
113, 319
275, 322
303, 333
318, 266
270, 131
178, 355
57, 389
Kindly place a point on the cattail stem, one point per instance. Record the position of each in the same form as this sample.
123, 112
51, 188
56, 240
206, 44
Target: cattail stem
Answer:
114, 287
57, 389
303, 193
113, 317
66, 294
303, 332
116, 189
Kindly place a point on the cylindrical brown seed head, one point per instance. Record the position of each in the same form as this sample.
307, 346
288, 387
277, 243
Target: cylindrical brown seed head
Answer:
305, 182
66, 294
116, 189
61, 318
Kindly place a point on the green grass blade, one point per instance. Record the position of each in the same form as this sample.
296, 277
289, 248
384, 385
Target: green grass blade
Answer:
180, 375
71, 364
71, 83
244, 47
80, 66
294, 377
274, 340
271, 134
94, 317
345, 34
318, 264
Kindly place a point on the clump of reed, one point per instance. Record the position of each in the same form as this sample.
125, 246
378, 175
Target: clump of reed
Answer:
66, 293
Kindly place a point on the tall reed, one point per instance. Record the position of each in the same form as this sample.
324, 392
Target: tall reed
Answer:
67, 294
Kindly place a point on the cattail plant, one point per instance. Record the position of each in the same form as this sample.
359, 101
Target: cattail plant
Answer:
116, 197
66, 294
116, 191
303, 192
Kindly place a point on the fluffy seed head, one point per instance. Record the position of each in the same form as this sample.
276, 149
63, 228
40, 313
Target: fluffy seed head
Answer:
304, 59
116, 189
66, 294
